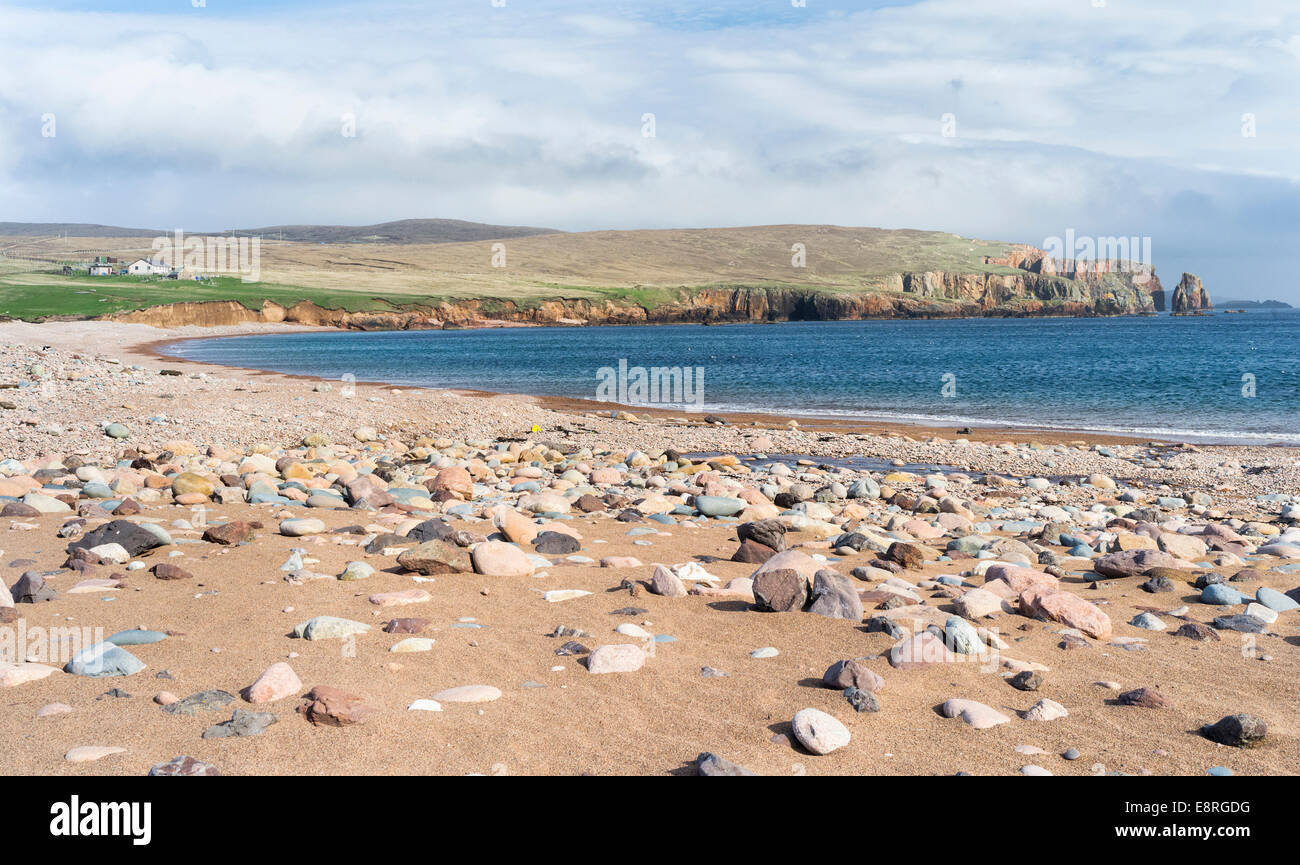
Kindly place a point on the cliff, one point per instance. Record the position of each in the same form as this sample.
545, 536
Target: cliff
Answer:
743, 274
1190, 295
933, 294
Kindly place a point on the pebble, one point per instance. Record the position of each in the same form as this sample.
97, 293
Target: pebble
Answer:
819, 732
90, 753
977, 715
468, 694
616, 658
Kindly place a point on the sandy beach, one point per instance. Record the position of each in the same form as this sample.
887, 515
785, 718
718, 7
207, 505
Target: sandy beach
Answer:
91, 421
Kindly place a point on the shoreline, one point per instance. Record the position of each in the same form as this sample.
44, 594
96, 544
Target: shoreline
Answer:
841, 425
282, 503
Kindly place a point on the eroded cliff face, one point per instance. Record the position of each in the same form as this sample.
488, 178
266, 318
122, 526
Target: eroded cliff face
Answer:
936, 294
1190, 295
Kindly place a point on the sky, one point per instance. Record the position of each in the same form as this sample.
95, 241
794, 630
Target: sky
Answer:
1014, 120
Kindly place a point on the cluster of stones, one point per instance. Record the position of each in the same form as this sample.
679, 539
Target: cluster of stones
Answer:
1017, 550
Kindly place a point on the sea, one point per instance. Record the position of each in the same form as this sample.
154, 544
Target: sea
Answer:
1219, 378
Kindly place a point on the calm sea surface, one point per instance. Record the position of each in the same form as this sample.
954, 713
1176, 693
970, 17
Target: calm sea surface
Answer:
1222, 378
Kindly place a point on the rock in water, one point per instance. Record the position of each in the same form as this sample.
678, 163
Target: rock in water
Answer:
819, 732
1190, 295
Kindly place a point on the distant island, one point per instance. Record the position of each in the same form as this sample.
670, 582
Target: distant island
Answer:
1254, 304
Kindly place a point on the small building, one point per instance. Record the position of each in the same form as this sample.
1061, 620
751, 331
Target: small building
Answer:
98, 269
145, 267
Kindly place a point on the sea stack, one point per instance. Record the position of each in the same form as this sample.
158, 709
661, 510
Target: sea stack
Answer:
1190, 295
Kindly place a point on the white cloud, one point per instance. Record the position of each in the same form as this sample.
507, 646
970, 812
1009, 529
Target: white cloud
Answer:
1109, 120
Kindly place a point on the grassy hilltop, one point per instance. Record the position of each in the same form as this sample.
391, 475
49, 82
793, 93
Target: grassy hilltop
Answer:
418, 263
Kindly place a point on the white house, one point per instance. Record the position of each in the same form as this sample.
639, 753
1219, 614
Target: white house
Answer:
145, 267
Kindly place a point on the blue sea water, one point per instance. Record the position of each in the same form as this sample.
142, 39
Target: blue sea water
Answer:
1219, 378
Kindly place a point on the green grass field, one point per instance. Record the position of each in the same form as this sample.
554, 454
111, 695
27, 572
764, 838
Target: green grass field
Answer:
33, 296
643, 268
